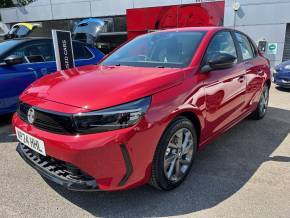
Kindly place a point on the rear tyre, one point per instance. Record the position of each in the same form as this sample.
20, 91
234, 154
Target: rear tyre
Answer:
262, 107
174, 154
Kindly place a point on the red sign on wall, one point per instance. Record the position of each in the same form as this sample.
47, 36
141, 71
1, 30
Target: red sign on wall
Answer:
143, 20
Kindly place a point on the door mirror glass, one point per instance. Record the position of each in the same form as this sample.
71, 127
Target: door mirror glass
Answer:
13, 60
221, 61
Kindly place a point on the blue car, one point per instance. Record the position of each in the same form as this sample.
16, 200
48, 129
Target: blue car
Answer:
25, 60
281, 75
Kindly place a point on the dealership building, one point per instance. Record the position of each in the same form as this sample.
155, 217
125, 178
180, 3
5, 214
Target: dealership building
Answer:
264, 20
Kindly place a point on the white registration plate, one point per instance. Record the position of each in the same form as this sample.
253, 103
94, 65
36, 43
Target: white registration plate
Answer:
30, 141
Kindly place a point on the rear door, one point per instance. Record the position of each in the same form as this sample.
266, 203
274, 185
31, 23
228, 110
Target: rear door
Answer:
13, 80
254, 67
224, 89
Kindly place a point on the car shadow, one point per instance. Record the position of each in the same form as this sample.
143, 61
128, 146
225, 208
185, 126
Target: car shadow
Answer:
219, 171
6, 133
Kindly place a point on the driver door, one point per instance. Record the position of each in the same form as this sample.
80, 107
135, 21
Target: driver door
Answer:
224, 89
15, 78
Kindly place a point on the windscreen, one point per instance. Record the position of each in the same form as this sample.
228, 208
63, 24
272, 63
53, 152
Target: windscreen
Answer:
160, 49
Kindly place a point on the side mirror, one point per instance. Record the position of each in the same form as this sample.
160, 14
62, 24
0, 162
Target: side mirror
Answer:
9, 36
219, 62
13, 60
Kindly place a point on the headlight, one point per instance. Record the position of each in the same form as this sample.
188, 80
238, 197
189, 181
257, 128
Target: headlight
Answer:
113, 118
287, 67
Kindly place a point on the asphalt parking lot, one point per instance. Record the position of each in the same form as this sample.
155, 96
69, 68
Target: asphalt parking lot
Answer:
244, 173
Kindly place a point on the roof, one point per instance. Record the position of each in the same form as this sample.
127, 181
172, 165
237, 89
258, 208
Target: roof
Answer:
208, 28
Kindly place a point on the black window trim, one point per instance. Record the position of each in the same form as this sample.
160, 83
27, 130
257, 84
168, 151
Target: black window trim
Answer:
254, 47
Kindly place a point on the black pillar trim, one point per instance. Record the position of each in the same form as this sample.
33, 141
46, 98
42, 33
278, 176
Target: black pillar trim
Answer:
128, 163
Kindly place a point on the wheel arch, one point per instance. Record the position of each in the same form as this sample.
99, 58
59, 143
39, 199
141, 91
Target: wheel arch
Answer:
195, 121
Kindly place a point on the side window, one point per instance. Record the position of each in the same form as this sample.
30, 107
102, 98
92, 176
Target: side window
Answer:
80, 51
222, 42
254, 48
41, 49
245, 45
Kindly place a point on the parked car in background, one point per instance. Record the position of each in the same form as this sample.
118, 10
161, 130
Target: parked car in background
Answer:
142, 114
22, 61
21, 30
281, 75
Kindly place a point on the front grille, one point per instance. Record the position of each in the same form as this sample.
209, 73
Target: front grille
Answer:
22, 110
47, 120
57, 168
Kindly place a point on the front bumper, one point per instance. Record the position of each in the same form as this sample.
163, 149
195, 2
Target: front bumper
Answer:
56, 172
281, 79
116, 160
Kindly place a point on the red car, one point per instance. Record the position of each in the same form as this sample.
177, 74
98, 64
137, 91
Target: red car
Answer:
141, 115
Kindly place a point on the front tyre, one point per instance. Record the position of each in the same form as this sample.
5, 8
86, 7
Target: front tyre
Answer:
262, 107
174, 154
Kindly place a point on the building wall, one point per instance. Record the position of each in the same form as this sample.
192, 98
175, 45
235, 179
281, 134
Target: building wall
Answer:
261, 19
41, 10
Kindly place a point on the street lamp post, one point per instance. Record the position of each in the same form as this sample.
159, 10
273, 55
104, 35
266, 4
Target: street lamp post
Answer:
236, 7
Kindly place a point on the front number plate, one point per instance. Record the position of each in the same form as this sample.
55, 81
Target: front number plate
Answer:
30, 141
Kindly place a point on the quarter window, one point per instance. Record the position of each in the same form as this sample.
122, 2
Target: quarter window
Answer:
246, 48
223, 43
80, 51
254, 48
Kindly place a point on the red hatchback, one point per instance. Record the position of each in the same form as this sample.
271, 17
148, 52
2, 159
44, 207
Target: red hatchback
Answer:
142, 114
